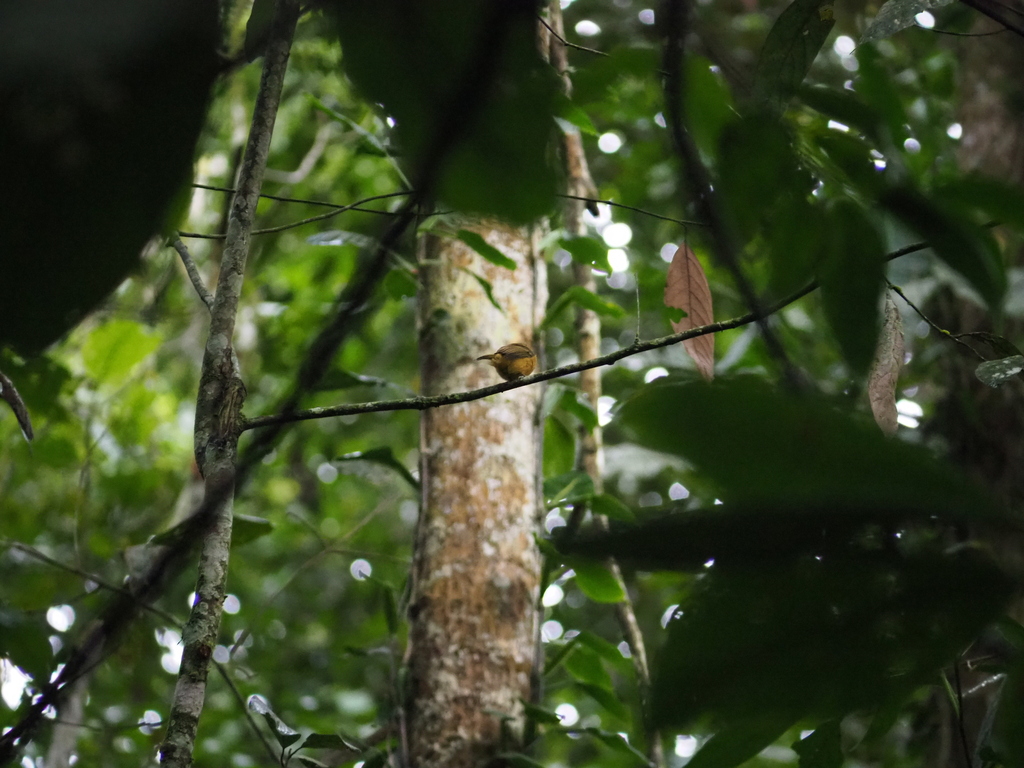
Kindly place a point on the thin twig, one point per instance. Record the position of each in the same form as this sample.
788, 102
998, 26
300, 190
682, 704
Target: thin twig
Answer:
683, 222
566, 43
952, 336
193, 272
303, 222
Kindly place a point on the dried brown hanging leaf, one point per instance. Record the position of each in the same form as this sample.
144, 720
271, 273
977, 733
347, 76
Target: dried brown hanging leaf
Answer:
885, 370
687, 289
10, 394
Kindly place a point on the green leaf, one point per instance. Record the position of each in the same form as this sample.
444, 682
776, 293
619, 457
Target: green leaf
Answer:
607, 699
963, 246
585, 665
852, 278
735, 745
995, 373
570, 402
587, 250
559, 448
121, 67
332, 741
819, 637
246, 528
385, 458
843, 106
570, 488
791, 47
112, 350
758, 446
258, 27
754, 155
284, 733
612, 508
577, 294
895, 16
821, 749
473, 102
615, 742
875, 85
486, 287
598, 583
1012, 630
997, 200
540, 715
707, 104
24, 642
400, 283
475, 241
574, 117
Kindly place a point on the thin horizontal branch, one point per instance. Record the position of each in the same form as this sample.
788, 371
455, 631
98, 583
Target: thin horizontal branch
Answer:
425, 403
684, 222
310, 220
304, 201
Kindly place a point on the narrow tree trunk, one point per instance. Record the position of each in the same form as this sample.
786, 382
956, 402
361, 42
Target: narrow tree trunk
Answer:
476, 566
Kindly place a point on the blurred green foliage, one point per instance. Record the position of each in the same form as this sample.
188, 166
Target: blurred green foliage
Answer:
846, 573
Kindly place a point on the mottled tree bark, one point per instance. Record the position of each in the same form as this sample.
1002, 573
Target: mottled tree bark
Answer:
476, 566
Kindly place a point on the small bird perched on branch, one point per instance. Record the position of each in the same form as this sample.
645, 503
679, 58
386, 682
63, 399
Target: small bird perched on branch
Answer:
513, 361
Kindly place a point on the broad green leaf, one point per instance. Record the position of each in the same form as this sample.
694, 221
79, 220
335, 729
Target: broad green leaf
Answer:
736, 744
385, 457
844, 107
820, 637
400, 283
572, 487
874, 84
612, 508
475, 241
851, 278
762, 447
561, 652
575, 117
995, 373
486, 287
332, 741
707, 104
585, 665
246, 528
540, 715
791, 47
997, 200
571, 403
607, 699
577, 294
258, 27
559, 447
24, 642
284, 733
598, 583
895, 16
964, 246
113, 168
821, 749
112, 350
754, 155
472, 101
587, 250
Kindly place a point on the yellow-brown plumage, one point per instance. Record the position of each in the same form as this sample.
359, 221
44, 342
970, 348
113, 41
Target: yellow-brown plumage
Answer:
513, 361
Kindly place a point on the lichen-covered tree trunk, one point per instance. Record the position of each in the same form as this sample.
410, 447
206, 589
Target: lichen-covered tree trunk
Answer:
476, 566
